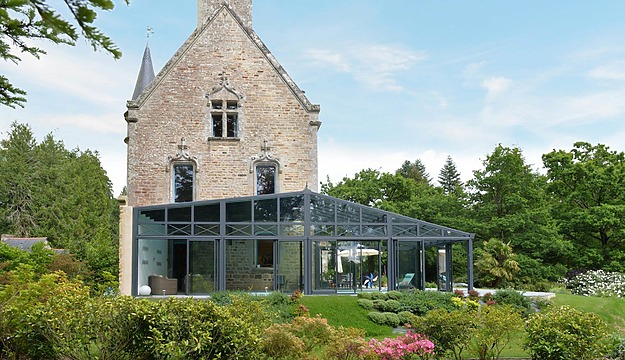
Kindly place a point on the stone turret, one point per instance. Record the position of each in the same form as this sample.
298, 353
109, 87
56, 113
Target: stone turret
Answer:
206, 9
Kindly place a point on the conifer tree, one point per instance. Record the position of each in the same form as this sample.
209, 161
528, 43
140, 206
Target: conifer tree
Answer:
414, 170
449, 177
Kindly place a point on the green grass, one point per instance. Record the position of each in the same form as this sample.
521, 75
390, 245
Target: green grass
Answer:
345, 311
610, 309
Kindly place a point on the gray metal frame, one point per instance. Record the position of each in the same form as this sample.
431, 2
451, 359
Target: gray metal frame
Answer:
347, 224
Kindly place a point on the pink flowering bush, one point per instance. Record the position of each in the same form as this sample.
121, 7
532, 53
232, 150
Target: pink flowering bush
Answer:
403, 347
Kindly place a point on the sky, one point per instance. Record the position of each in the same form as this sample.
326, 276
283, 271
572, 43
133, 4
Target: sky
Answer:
396, 79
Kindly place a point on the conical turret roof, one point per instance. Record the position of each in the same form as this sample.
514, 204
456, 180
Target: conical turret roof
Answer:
146, 73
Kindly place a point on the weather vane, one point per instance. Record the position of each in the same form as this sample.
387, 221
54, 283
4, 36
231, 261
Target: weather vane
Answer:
150, 31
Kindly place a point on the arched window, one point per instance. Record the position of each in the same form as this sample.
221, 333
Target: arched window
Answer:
183, 182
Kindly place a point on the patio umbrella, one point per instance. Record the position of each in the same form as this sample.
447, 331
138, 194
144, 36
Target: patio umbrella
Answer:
353, 254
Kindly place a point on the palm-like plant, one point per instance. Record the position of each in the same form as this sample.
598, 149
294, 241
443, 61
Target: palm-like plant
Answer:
496, 262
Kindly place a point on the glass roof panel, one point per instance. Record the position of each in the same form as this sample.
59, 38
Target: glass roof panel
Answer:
207, 213
321, 209
266, 210
429, 230
292, 208
347, 213
373, 216
239, 211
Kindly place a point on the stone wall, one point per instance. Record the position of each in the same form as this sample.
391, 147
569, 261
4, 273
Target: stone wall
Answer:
206, 8
220, 55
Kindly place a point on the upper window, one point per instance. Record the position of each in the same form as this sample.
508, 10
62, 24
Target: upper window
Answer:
184, 178
265, 179
224, 118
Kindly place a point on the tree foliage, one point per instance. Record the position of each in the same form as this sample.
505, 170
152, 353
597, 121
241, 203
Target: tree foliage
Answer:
589, 183
449, 177
414, 170
63, 195
22, 22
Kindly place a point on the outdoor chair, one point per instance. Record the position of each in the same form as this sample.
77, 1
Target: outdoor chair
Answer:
406, 283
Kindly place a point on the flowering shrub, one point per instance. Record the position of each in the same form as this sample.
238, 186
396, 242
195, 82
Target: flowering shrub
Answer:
402, 347
596, 283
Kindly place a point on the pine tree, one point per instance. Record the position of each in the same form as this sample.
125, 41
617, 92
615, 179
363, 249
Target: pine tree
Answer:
449, 177
414, 170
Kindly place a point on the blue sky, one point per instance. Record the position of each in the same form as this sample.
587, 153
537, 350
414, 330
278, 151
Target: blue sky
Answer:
396, 79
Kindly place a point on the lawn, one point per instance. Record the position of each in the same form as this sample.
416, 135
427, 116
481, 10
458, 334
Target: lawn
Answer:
344, 311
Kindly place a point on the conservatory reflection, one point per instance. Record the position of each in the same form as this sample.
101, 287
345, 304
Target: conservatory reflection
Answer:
286, 242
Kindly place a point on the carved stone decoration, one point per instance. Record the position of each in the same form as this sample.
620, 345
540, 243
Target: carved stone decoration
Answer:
224, 85
265, 157
182, 155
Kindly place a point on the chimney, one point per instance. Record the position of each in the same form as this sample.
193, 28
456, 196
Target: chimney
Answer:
207, 8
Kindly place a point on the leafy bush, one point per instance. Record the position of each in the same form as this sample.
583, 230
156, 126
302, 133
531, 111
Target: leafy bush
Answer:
394, 295
596, 283
378, 296
451, 332
314, 332
560, 333
366, 304
496, 327
420, 302
386, 318
618, 347
346, 344
280, 343
514, 299
406, 317
393, 306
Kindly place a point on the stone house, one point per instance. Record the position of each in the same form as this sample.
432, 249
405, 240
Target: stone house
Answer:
222, 174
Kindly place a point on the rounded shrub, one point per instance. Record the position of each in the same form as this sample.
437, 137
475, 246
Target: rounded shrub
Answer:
392, 319
388, 306
365, 304
377, 317
560, 333
514, 299
394, 295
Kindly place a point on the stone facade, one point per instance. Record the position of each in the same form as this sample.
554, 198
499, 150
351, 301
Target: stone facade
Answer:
170, 121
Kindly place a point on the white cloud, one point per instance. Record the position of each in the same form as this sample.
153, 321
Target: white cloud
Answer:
496, 85
375, 66
612, 71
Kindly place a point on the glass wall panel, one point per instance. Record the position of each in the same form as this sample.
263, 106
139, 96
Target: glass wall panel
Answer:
324, 265
290, 266
242, 271
266, 210
155, 265
202, 267
359, 265
207, 213
182, 214
152, 215
240, 211
408, 265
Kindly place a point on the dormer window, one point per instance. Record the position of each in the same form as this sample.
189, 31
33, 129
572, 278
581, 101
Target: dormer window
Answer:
224, 118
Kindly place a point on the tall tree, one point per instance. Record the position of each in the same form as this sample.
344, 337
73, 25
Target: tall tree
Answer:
22, 21
449, 177
510, 203
589, 184
63, 195
414, 170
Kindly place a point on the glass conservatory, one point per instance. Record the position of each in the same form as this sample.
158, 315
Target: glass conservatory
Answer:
285, 242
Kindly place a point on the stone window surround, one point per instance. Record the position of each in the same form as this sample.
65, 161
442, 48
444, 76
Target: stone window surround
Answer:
182, 157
